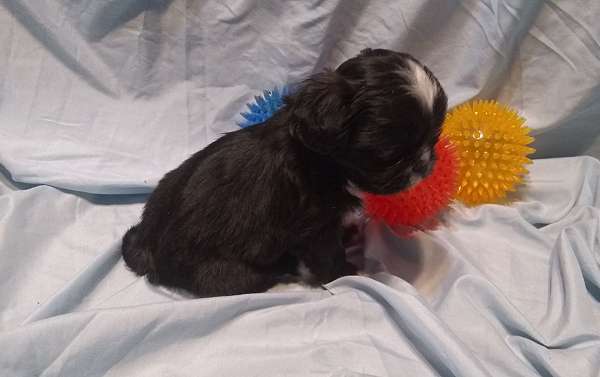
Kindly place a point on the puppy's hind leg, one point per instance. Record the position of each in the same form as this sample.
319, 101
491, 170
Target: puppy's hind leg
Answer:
136, 257
326, 259
221, 277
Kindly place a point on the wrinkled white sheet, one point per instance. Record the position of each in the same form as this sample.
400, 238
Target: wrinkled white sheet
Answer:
499, 291
104, 96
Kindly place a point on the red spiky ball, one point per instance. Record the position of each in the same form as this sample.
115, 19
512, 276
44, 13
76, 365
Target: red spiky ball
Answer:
417, 207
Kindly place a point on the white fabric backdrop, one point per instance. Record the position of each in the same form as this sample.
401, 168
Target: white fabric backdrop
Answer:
104, 96
498, 291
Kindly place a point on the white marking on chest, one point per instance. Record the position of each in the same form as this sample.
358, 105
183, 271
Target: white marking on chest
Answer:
304, 272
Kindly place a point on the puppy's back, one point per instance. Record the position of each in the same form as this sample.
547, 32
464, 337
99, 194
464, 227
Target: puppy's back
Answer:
232, 200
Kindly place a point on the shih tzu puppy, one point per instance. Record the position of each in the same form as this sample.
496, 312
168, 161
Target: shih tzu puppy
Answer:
266, 204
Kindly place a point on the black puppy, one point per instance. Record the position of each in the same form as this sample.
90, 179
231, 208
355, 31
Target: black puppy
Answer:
267, 202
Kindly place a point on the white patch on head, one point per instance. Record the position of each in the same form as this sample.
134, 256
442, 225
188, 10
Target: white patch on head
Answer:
421, 86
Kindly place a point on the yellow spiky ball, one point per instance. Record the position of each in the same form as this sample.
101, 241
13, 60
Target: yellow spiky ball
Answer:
492, 144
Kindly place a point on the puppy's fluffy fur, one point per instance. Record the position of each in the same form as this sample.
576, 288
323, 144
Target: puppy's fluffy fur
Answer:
262, 203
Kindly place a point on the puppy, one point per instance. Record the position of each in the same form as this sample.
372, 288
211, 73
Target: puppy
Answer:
266, 203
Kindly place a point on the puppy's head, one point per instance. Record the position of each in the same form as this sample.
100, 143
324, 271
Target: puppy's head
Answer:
378, 116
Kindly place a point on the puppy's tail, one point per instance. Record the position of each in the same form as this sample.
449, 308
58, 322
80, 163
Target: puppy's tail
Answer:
137, 258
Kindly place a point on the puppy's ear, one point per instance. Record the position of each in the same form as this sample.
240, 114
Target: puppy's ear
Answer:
321, 111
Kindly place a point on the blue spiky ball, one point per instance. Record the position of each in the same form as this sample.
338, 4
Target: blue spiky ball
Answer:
264, 106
